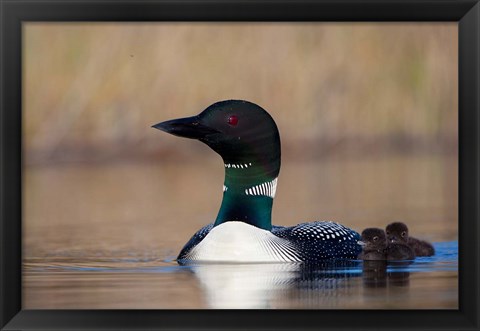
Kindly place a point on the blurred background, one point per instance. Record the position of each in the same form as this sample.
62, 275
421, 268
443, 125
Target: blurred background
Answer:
367, 115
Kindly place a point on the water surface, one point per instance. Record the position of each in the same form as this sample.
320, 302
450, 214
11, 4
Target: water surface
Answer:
153, 283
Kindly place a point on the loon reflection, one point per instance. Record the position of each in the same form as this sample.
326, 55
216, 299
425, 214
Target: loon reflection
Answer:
263, 286
240, 286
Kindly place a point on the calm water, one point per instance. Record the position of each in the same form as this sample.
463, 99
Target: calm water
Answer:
105, 235
133, 282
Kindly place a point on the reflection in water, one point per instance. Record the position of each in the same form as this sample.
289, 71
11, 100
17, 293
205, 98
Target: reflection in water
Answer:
254, 286
244, 285
257, 285
401, 277
375, 274
326, 285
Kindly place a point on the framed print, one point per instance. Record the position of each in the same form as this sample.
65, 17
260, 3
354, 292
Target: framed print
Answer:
239, 165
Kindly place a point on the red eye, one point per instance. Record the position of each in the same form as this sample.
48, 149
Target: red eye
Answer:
233, 120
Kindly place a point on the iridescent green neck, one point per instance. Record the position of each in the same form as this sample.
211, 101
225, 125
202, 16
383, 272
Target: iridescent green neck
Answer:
248, 194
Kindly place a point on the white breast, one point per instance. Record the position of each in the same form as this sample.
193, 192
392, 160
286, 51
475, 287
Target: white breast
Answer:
242, 242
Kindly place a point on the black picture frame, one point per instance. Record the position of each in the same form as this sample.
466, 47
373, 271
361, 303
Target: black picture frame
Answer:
14, 12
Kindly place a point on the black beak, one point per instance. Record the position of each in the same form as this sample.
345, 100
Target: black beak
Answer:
189, 127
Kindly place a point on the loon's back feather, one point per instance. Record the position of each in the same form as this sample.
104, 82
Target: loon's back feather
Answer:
321, 240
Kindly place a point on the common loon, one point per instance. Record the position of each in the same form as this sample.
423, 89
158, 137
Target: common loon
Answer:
397, 232
376, 247
247, 139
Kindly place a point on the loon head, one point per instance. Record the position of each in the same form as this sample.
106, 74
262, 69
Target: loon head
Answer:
247, 139
397, 232
373, 239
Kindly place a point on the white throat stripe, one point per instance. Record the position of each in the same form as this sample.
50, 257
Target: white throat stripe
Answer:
238, 166
268, 189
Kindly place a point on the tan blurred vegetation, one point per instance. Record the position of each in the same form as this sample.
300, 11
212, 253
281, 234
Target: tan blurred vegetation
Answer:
92, 91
